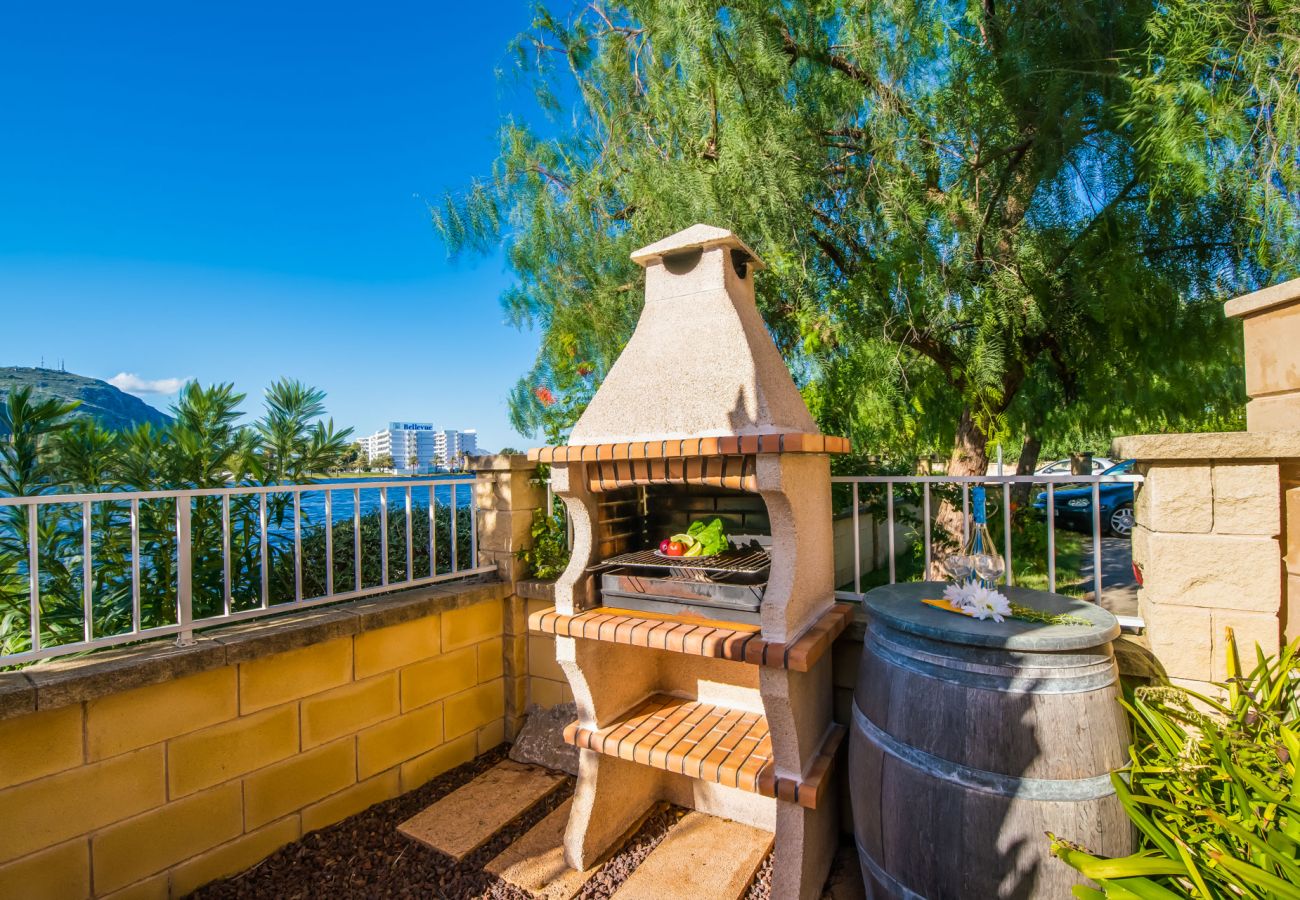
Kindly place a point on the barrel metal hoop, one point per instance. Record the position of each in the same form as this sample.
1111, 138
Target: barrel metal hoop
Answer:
994, 657
1103, 675
892, 884
1069, 790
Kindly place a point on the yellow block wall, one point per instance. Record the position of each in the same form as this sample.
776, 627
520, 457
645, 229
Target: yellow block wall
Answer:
547, 685
154, 792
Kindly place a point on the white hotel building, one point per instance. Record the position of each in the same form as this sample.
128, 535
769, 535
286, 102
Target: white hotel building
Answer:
430, 447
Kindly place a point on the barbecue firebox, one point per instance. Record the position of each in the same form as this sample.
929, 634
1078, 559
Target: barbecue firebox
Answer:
705, 682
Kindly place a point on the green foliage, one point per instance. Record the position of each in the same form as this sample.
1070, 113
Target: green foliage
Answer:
981, 220
204, 447
1211, 789
549, 553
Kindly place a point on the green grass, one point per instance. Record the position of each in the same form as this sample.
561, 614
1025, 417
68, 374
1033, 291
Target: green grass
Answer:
1028, 557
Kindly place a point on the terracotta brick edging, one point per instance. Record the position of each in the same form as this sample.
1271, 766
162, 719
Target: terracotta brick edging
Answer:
156, 769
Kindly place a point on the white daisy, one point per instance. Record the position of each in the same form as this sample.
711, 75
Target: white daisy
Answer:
988, 604
956, 594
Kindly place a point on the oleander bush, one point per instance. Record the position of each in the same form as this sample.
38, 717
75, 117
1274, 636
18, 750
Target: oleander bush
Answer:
44, 452
1211, 790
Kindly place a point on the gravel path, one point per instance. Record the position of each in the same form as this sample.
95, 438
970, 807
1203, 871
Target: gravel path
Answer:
366, 857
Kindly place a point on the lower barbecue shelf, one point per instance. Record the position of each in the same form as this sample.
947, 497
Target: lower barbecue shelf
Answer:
698, 637
712, 743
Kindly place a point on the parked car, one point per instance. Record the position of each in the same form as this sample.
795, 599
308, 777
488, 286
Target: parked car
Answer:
1074, 504
1058, 469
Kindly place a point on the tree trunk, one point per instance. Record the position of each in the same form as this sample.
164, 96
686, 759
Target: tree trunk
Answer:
970, 451
970, 456
1028, 463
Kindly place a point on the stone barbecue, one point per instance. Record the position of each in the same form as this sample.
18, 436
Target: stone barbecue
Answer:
703, 683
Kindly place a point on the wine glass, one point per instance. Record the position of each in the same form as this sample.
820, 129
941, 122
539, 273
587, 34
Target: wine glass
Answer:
989, 567
959, 567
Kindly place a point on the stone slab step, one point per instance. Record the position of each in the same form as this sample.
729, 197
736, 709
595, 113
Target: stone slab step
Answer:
701, 856
466, 818
535, 863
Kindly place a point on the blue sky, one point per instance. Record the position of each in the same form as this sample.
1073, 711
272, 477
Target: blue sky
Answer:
237, 192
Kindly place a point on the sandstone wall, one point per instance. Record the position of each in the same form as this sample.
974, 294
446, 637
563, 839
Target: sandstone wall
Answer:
148, 773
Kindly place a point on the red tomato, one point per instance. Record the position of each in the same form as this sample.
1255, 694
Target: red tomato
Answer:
674, 548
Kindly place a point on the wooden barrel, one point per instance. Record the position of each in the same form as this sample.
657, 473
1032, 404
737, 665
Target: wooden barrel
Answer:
971, 739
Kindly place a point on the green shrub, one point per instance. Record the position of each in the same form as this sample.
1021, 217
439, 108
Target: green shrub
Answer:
1211, 789
549, 554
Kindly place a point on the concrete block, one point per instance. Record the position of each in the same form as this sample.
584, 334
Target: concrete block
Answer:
1249, 629
510, 490
491, 660
433, 679
491, 734
235, 856
51, 810
1276, 413
1271, 337
1182, 638
298, 782
471, 624
60, 872
1213, 571
278, 679
515, 657
226, 751
40, 744
428, 766
514, 619
547, 693
155, 887
385, 745
137, 718
149, 843
1177, 497
472, 709
541, 658
1247, 499
504, 529
350, 801
348, 709
394, 646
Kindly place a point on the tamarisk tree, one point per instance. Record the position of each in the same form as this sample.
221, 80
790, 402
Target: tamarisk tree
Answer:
979, 218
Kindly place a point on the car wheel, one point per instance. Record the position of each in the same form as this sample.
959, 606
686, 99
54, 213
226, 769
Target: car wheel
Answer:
1121, 521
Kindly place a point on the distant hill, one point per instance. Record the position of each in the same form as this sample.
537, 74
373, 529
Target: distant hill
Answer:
99, 399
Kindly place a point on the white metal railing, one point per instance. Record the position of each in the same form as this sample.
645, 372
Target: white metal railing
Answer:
23, 518
927, 483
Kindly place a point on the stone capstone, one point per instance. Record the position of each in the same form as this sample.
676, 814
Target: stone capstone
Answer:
541, 741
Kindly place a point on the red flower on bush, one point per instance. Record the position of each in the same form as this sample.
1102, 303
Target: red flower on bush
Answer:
585, 369
544, 395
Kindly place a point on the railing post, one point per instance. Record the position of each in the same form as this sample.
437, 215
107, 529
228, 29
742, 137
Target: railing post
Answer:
184, 574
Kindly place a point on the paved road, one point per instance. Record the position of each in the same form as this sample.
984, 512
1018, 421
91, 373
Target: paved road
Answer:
1118, 587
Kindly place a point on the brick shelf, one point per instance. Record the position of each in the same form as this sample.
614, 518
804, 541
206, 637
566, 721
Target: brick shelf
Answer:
712, 743
698, 636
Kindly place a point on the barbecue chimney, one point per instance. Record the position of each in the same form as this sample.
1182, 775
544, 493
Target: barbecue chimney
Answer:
701, 707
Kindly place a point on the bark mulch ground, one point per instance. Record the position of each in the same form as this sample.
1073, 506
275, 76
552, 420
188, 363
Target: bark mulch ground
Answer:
366, 857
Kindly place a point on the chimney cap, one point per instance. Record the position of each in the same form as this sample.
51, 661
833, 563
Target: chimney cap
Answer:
698, 236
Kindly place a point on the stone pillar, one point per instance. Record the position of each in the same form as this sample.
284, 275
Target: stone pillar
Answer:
1209, 544
507, 494
1217, 541
1270, 322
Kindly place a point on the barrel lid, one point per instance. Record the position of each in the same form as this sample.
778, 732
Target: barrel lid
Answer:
900, 606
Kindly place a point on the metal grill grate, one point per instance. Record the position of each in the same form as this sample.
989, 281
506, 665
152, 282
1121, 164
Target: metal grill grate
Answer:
746, 562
